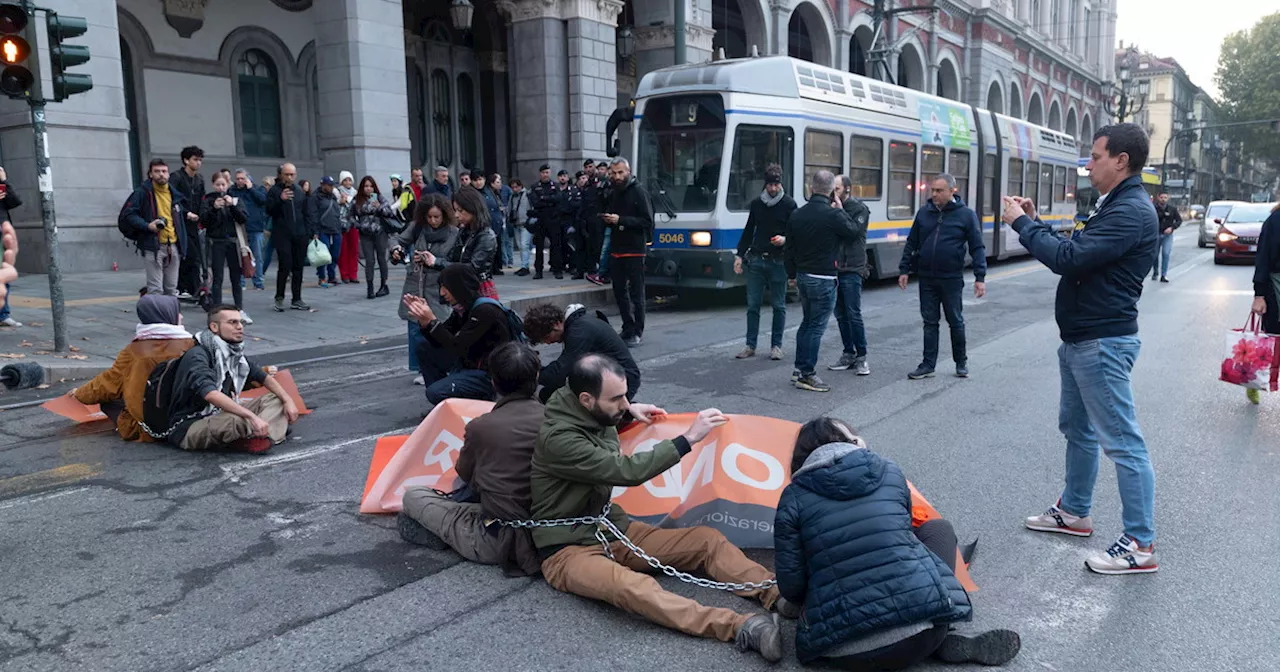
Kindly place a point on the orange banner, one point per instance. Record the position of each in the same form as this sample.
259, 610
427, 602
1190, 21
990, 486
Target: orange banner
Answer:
69, 408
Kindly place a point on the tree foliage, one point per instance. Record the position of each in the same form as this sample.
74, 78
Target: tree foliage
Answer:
1249, 79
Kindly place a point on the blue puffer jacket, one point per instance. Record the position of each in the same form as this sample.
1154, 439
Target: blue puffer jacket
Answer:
844, 548
938, 240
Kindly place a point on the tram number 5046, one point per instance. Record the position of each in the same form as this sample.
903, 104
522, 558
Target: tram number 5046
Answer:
671, 238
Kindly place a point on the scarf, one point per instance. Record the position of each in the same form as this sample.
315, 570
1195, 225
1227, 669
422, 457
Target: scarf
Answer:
772, 201
228, 361
160, 332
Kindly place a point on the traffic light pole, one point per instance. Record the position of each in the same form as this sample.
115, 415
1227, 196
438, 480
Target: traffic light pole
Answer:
44, 178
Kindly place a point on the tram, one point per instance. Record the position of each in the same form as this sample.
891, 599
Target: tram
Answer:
703, 134
1087, 197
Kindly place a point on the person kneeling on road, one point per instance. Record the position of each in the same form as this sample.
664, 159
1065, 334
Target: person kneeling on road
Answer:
875, 593
208, 381
456, 352
582, 333
576, 465
494, 462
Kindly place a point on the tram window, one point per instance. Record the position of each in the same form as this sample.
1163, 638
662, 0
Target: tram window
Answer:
933, 160
958, 166
754, 148
1045, 202
902, 180
823, 150
1033, 185
866, 156
1059, 185
1015, 178
678, 152
989, 184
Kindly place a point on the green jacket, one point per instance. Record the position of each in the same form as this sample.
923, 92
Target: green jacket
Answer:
576, 464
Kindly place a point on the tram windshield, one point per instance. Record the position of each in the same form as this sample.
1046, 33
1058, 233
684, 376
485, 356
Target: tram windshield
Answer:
678, 153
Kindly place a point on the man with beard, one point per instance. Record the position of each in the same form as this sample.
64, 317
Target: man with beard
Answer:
576, 465
205, 410
629, 214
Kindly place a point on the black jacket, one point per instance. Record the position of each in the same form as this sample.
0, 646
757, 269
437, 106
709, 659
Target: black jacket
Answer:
140, 210
1169, 217
1266, 264
853, 254
220, 223
473, 334
814, 236
197, 375
288, 218
1102, 265
589, 213
765, 221
634, 230
936, 244
9, 202
570, 210
322, 213
191, 187
584, 334
544, 201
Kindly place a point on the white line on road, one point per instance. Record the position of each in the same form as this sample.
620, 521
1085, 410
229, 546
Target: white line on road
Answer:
233, 472
32, 499
356, 376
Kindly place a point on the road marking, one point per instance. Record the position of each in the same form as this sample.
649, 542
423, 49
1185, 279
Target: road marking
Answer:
358, 376
32, 499
34, 302
233, 472
64, 475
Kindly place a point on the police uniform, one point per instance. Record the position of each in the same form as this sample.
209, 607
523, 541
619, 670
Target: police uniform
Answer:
544, 203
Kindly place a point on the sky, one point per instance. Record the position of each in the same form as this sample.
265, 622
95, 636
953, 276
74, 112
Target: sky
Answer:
1190, 31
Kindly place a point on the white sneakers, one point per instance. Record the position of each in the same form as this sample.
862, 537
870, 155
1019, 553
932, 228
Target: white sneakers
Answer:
1057, 520
244, 317
1122, 557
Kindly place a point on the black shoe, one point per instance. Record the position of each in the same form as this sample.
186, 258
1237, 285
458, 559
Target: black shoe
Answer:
383, 291
415, 533
559, 275
299, 305
1164, 279
962, 370
498, 271
537, 276
921, 371
577, 276
632, 341
278, 306
522, 272
993, 647
761, 633
368, 293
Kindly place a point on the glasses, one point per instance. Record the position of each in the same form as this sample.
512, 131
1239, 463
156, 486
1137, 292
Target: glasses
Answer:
234, 322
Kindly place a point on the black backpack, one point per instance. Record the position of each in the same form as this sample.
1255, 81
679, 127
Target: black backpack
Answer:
515, 325
157, 397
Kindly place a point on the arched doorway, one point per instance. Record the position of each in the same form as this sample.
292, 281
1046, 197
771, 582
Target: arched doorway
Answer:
807, 35
730, 27
911, 68
1015, 101
1072, 124
859, 47
995, 98
1035, 109
1086, 134
1055, 116
948, 85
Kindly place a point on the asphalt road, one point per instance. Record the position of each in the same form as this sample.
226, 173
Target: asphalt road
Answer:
138, 557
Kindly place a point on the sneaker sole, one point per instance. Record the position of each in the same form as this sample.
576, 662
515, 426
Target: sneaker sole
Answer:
995, 647
922, 376
837, 367
1114, 572
811, 388
1060, 530
864, 373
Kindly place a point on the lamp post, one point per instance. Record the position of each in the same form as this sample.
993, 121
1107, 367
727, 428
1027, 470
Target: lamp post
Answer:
1128, 97
461, 12
626, 42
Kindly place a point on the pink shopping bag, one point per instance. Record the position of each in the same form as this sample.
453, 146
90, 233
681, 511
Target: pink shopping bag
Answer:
1253, 357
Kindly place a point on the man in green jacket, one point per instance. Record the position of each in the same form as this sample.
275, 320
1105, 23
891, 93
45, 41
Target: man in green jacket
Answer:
576, 465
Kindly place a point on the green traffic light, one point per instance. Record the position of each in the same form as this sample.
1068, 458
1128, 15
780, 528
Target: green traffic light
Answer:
63, 56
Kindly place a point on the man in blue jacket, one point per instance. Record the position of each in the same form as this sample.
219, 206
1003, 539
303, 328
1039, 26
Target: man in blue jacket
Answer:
935, 250
254, 200
1102, 267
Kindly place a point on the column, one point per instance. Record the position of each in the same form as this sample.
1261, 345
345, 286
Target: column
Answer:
493, 109
89, 157
655, 34
360, 61
843, 36
593, 75
779, 17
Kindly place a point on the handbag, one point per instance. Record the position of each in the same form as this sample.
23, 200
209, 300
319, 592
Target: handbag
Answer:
1252, 358
318, 254
247, 266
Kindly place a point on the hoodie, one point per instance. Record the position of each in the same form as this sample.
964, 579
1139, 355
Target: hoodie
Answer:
473, 333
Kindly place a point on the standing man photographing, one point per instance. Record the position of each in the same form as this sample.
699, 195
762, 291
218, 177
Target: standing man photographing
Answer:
286, 203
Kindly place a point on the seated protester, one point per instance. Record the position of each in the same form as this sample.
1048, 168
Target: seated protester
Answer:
582, 333
494, 461
576, 465
158, 337
455, 367
205, 412
876, 594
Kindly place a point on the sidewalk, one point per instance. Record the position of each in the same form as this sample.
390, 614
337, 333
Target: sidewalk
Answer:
101, 318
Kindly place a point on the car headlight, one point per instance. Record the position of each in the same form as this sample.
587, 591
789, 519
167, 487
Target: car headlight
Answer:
700, 239
1226, 236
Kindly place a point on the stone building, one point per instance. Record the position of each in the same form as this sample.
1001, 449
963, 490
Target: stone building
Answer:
379, 86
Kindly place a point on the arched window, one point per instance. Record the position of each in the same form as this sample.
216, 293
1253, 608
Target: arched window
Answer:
467, 120
441, 118
259, 105
799, 44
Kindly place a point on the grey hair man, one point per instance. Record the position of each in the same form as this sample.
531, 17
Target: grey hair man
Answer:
815, 235
950, 226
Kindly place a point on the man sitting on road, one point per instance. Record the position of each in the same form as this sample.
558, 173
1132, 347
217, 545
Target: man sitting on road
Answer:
205, 410
576, 465
582, 333
494, 461
159, 337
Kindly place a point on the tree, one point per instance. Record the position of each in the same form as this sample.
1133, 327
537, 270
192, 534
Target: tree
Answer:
1249, 78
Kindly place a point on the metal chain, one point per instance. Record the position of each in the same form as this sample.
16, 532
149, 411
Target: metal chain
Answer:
172, 426
603, 524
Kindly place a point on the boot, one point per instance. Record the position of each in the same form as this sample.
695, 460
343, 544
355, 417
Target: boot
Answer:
382, 291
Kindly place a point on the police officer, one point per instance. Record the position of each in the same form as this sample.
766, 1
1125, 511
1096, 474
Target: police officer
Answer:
591, 226
545, 205
570, 210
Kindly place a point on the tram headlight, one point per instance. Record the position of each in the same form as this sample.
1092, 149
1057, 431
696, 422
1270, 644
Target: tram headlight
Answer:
700, 239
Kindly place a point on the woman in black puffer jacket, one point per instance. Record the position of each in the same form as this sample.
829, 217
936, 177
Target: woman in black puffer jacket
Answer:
221, 215
367, 214
874, 593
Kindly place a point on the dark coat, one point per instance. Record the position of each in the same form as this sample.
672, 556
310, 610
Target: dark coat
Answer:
1169, 217
434, 187
220, 223
1102, 266
288, 218
476, 247
936, 243
197, 375
140, 210
634, 230
1266, 264
192, 187
765, 221
853, 253
814, 236
544, 202
845, 549
323, 214
9, 202
471, 335
254, 201
495, 460
586, 333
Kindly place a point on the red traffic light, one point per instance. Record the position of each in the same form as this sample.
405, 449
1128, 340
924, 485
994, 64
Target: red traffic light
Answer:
13, 49
13, 19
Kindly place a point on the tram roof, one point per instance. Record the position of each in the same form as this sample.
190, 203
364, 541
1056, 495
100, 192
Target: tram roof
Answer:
765, 75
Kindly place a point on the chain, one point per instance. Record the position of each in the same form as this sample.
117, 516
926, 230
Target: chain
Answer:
603, 525
172, 426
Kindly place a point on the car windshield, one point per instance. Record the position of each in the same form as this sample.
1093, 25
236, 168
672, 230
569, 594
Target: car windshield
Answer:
1249, 213
1217, 211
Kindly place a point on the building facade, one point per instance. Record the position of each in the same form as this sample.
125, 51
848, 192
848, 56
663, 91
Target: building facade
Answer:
380, 86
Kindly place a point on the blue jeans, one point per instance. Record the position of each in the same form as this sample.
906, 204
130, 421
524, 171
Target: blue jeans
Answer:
254, 239
817, 298
1163, 252
604, 253
4, 311
761, 273
1097, 410
942, 295
416, 340
526, 245
853, 334
508, 245
461, 384
333, 241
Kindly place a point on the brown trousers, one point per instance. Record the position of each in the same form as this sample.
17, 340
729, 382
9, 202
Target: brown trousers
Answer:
222, 429
587, 571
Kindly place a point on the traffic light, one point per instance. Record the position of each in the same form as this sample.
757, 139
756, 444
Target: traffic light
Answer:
63, 56
16, 79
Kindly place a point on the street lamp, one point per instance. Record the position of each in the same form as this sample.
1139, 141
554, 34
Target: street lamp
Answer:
1124, 105
626, 42
461, 11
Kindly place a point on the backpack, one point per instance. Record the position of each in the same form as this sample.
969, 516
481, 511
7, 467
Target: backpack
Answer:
515, 325
156, 399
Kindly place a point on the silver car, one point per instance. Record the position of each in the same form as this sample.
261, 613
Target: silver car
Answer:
1214, 215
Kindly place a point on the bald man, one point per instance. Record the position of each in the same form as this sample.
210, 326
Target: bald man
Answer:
289, 234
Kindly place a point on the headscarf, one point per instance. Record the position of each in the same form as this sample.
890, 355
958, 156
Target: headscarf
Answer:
228, 361
158, 319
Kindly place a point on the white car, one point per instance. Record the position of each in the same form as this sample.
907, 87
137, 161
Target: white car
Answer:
1213, 218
